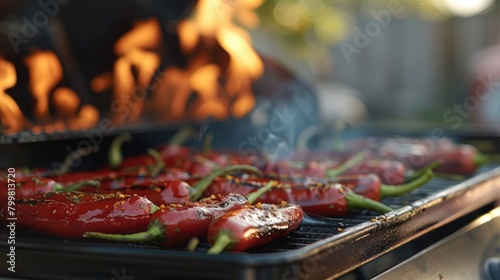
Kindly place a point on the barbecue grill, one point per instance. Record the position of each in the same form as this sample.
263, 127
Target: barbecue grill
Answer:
360, 245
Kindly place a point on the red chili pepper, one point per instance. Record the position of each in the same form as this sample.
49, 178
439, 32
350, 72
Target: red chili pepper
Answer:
314, 169
69, 215
113, 180
391, 172
158, 191
372, 187
330, 199
177, 224
462, 160
166, 191
30, 187
250, 227
418, 153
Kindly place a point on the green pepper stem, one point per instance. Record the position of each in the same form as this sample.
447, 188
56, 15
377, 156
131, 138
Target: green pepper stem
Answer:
115, 156
397, 190
480, 159
222, 241
155, 231
182, 135
357, 201
252, 197
196, 191
192, 244
76, 186
158, 160
346, 165
154, 208
413, 174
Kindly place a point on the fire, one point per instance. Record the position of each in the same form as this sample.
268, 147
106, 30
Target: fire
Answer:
213, 25
45, 72
10, 114
216, 80
136, 51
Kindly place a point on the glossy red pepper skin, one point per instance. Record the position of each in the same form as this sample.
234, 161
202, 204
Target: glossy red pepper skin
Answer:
321, 199
418, 153
99, 175
390, 171
69, 215
111, 180
460, 160
182, 222
156, 190
255, 226
367, 185
27, 187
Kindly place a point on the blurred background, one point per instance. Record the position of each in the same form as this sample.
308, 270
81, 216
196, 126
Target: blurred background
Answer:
329, 61
408, 61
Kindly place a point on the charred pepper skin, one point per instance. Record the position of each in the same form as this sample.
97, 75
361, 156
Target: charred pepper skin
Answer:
254, 226
69, 215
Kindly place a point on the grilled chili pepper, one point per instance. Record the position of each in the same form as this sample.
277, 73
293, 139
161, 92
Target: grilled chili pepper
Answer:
250, 227
463, 160
371, 186
177, 224
328, 199
158, 191
30, 187
167, 191
69, 215
459, 159
366, 185
313, 168
390, 171
113, 180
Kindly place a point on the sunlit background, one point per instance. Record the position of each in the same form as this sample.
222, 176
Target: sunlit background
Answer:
387, 59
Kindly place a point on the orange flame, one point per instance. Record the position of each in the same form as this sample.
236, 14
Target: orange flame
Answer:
11, 116
221, 67
45, 72
213, 20
101, 82
129, 91
66, 102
